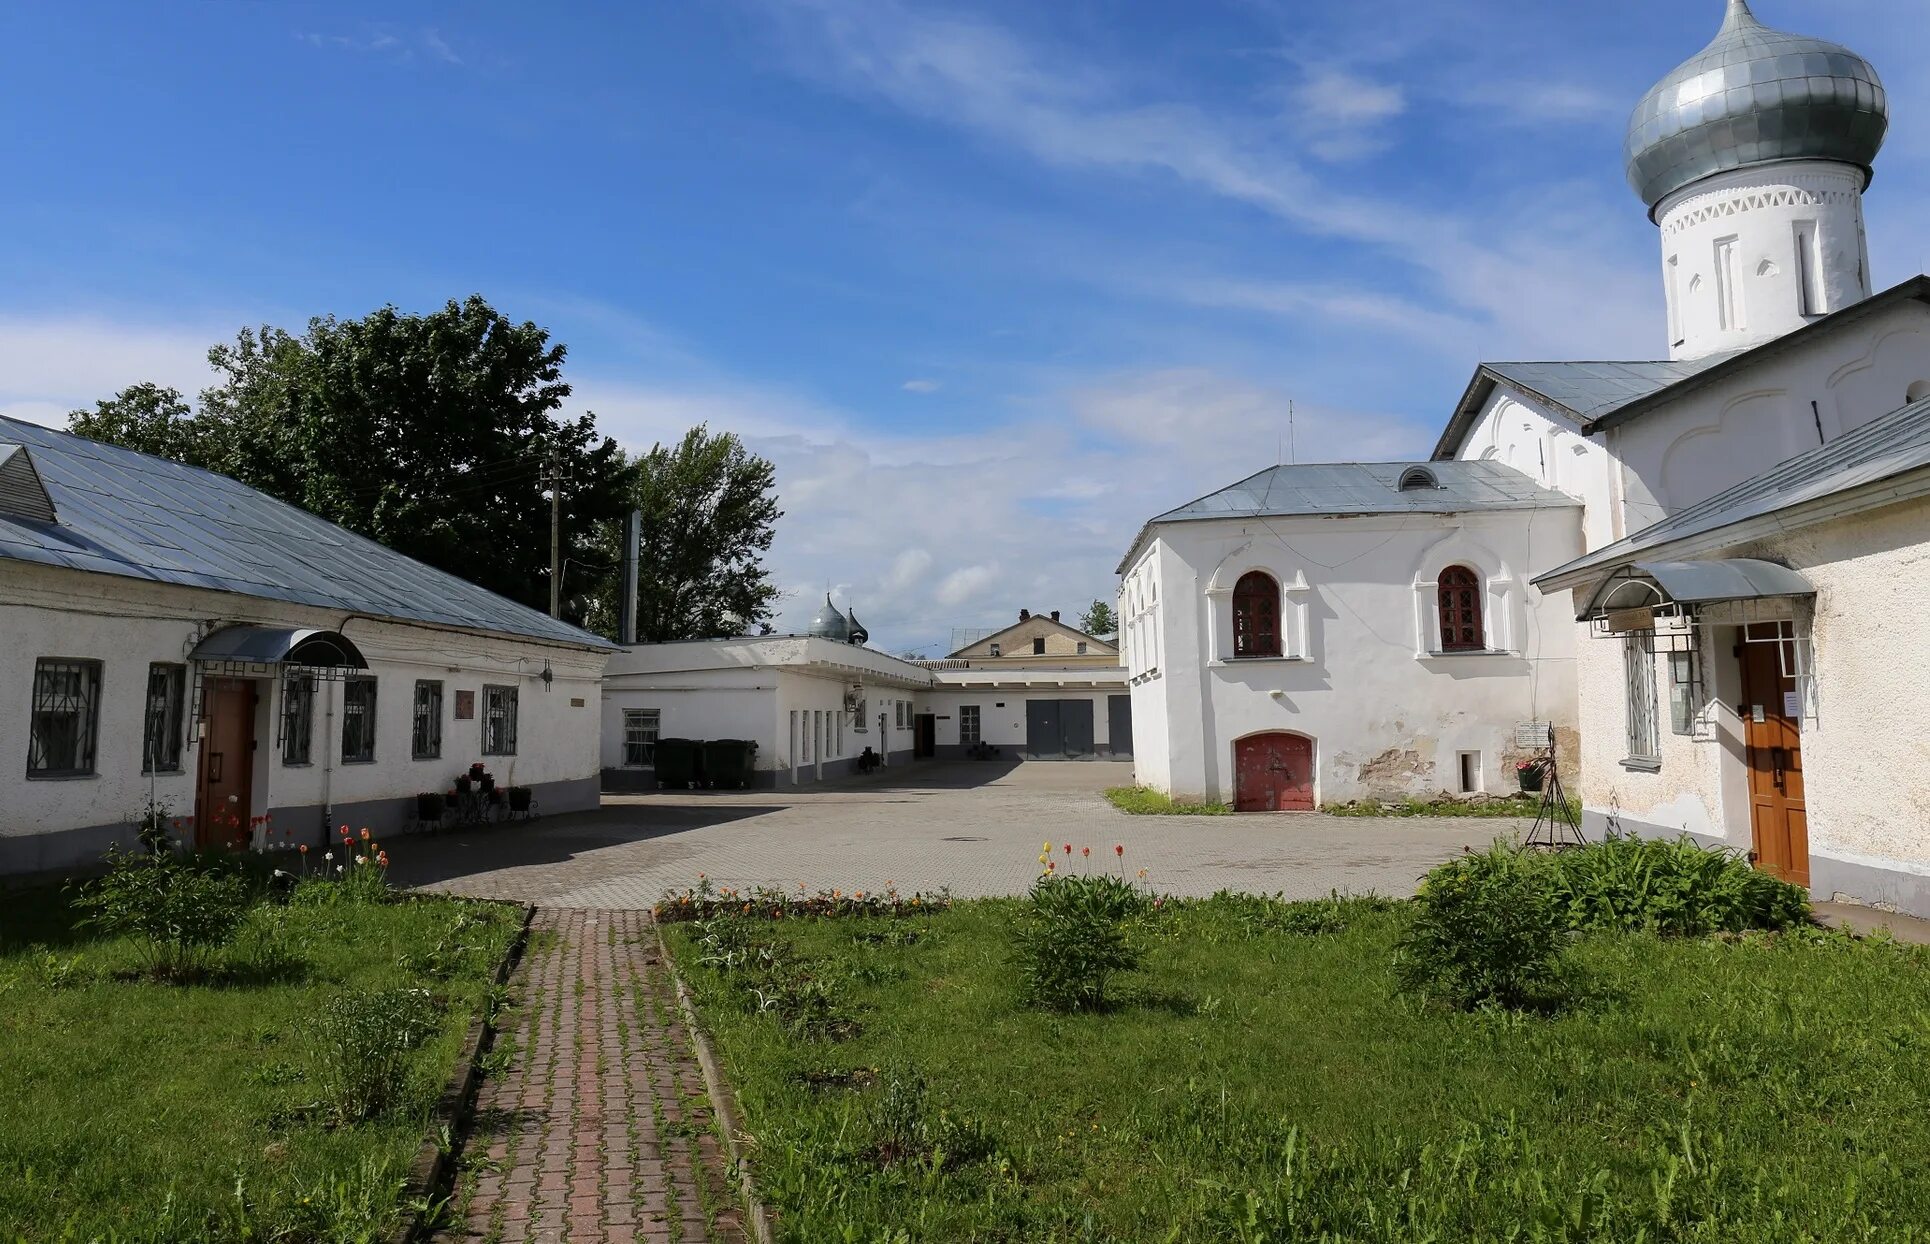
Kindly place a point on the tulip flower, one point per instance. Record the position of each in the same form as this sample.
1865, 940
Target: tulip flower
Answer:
1119, 850
1085, 852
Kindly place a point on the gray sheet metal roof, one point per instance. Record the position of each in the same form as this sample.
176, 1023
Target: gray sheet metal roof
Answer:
1591, 390
276, 645
1881, 449
1703, 582
1339, 488
142, 517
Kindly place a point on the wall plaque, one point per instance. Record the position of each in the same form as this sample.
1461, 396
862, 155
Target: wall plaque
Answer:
465, 706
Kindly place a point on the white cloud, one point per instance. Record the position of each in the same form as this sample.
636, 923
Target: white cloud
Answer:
50, 365
1343, 115
966, 584
921, 385
906, 569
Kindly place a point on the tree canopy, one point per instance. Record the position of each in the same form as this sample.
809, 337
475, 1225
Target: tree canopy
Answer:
1098, 620
428, 433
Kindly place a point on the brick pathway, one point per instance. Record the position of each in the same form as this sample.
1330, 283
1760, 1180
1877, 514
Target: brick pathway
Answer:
598, 1130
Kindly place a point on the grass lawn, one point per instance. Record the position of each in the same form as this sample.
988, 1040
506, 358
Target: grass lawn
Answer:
1144, 801
1264, 1082
138, 1111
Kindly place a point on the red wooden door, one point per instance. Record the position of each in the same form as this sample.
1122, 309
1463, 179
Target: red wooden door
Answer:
1273, 773
223, 794
1773, 734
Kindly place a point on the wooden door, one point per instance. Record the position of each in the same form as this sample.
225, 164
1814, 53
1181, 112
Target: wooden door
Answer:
225, 786
924, 739
1772, 731
1273, 773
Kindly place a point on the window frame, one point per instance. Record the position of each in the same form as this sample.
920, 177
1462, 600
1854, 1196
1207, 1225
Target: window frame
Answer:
1640, 707
632, 723
997, 651
495, 695
1452, 618
1038, 645
363, 715
87, 711
429, 715
298, 688
172, 713
973, 734
1251, 641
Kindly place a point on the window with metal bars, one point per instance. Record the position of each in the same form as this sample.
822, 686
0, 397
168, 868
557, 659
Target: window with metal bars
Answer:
65, 718
358, 721
297, 719
641, 726
1460, 608
161, 723
1638, 669
425, 739
968, 724
499, 721
1256, 615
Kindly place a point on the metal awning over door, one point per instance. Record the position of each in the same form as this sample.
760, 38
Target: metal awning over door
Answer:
255, 646
1637, 595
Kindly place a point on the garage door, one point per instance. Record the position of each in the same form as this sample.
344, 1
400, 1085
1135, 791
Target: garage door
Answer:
1119, 725
1058, 729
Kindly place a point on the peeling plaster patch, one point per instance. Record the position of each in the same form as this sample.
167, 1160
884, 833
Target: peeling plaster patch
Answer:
1396, 773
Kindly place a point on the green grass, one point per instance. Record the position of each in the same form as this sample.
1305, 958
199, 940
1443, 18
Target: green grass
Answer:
135, 1111
1144, 801
1524, 806
1265, 1081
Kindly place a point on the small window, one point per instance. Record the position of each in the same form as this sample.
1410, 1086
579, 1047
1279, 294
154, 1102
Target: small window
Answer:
297, 718
1638, 672
1470, 772
996, 652
358, 721
161, 724
1418, 477
499, 721
1460, 609
1809, 273
641, 727
1256, 616
1082, 647
1038, 646
65, 722
968, 725
859, 722
425, 740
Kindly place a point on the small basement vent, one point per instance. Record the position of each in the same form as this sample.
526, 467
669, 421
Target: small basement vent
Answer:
22, 495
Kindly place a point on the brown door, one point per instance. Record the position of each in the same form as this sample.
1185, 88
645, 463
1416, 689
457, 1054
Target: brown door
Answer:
1273, 773
1773, 734
223, 793
924, 741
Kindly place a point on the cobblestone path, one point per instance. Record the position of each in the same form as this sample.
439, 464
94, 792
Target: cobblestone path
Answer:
594, 1128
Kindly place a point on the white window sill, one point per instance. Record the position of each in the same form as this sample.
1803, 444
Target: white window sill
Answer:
1464, 652
1233, 662
1638, 764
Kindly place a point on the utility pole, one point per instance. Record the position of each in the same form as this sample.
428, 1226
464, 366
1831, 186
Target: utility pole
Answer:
553, 478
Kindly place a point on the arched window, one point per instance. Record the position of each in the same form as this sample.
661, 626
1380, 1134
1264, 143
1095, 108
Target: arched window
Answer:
1460, 599
1256, 615
1418, 477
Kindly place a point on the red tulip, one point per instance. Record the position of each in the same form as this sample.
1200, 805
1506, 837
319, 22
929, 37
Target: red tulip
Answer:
1086, 852
1119, 850
1068, 848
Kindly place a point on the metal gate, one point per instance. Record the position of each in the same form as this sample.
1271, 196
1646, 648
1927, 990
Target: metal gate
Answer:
1058, 729
1119, 725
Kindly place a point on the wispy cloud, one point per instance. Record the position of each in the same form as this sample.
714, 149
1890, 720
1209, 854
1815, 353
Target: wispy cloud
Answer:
1344, 115
921, 385
382, 39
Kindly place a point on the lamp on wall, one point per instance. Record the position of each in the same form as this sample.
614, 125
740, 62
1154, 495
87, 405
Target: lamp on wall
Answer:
548, 676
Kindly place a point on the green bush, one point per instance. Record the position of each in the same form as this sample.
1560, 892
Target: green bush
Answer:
1486, 930
364, 1038
1674, 888
179, 909
1074, 937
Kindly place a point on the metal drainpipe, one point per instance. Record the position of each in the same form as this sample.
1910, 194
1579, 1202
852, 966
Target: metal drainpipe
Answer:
328, 759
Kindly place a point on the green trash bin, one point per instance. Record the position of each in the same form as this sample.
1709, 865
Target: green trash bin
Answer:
728, 762
677, 762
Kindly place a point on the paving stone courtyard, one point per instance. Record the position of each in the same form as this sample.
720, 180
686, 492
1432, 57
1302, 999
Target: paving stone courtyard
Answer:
595, 1128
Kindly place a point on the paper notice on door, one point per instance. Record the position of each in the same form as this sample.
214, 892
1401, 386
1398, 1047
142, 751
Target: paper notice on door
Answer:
1793, 705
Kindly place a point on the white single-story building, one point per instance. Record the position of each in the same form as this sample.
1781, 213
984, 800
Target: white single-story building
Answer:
173, 640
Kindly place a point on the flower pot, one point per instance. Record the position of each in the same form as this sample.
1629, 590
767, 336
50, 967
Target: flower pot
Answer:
519, 797
428, 806
462, 785
488, 784
1531, 780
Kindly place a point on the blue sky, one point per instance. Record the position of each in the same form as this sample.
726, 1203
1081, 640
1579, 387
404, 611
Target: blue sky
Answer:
991, 282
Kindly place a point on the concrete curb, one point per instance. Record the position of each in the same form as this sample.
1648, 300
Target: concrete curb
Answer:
720, 1098
432, 1173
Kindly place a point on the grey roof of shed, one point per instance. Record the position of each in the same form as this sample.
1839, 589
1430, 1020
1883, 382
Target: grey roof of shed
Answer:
1341, 488
131, 514
1882, 449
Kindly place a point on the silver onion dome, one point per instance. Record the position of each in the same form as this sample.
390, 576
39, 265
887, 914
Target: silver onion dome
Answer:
830, 623
1754, 96
858, 635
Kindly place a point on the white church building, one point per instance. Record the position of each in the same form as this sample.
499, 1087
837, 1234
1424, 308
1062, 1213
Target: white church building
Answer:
1740, 528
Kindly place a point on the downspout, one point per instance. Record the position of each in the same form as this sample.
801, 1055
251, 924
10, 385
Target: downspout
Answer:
328, 758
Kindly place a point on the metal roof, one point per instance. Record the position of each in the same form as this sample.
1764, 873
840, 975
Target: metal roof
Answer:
1881, 449
1338, 488
278, 645
141, 517
1700, 583
1592, 389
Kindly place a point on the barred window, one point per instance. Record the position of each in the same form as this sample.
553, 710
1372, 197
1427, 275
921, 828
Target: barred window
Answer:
297, 719
968, 724
358, 721
425, 740
641, 726
499, 721
161, 724
1638, 669
65, 721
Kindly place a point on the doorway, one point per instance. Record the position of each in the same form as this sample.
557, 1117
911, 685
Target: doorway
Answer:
1273, 773
924, 736
1772, 738
224, 787
1058, 729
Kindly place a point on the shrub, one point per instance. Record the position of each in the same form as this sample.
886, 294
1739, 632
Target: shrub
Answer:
365, 1038
905, 1128
1674, 888
1486, 930
1074, 937
178, 909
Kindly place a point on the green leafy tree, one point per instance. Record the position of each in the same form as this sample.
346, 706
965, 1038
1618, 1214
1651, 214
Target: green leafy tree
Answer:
709, 514
428, 433
1098, 620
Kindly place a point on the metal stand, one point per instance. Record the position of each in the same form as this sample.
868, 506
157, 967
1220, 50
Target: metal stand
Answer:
1557, 828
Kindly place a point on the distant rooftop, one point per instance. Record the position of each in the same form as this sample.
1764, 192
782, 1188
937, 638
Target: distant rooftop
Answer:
131, 514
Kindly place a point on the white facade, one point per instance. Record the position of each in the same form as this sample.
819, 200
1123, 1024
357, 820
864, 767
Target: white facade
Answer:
120, 628
1363, 672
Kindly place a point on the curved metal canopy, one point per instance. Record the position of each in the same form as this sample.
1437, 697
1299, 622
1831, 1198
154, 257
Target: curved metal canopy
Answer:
1662, 584
279, 645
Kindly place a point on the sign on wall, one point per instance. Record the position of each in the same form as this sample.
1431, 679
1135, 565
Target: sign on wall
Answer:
465, 706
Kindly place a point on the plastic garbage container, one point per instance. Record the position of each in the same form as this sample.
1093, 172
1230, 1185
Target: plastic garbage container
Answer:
677, 762
729, 762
